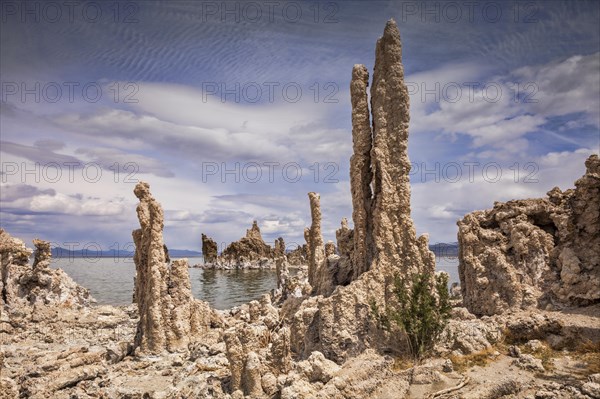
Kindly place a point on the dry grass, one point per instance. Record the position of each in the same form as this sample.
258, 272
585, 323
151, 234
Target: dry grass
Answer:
546, 354
402, 363
589, 353
465, 362
586, 352
507, 337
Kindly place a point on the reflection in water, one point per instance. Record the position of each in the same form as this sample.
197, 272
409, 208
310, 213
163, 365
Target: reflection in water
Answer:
226, 288
110, 280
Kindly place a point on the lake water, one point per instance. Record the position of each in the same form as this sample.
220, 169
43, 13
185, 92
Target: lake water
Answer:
110, 280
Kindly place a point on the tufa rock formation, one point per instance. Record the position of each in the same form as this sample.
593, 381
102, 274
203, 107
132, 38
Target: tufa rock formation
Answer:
42, 255
287, 285
345, 239
22, 286
314, 241
384, 240
329, 249
279, 248
167, 257
290, 285
169, 315
258, 349
391, 241
537, 252
345, 247
576, 273
209, 249
360, 171
281, 270
298, 256
14, 257
250, 251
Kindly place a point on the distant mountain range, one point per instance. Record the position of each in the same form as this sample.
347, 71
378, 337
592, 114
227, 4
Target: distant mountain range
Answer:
444, 249
439, 249
59, 252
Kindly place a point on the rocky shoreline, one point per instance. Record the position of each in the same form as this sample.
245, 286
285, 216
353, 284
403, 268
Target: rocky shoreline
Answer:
526, 323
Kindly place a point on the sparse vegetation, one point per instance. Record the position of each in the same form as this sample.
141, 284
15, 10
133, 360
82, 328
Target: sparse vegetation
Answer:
422, 310
545, 353
589, 353
547, 356
464, 362
402, 363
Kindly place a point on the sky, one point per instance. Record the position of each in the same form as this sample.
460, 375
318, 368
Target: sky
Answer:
234, 111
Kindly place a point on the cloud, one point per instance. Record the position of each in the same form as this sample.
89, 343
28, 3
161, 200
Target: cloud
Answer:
436, 205
564, 87
270, 201
37, 154
50, 144
12, 192
503, 112
62, 204
209, 216
67, 230
179, 120
126, 162
50, 202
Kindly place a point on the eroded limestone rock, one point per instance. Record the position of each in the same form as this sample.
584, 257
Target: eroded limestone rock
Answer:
250, 251
14, 257
23, 286
282, 271
366, 376
279, 248
345, 245
534, 252
395, 243
329, 248
258, 350
361, 174
298, 256
170, 317
384, 239
314, 241
209, 249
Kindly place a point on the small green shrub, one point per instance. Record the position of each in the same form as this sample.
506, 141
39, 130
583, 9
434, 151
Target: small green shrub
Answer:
422, 310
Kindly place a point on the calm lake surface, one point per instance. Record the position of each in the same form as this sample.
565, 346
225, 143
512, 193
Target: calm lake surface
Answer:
110, 280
